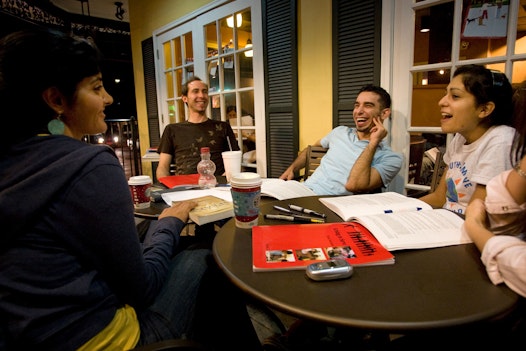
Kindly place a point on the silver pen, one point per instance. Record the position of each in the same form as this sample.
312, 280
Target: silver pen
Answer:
282, 209
307, 211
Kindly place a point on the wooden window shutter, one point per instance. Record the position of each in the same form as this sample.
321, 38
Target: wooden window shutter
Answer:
281, 84
148, 61
356, 53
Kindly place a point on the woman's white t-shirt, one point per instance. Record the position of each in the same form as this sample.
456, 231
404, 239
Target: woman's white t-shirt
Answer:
475, 163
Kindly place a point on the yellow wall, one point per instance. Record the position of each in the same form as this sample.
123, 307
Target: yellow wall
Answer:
314, 70
145, 18
314, 60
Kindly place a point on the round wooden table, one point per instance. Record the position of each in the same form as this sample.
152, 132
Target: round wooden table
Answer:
425, 289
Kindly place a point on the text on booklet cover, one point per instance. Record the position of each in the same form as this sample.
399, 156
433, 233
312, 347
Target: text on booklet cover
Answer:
294, 246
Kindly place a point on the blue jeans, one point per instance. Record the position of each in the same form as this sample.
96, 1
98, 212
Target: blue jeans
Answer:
198, 302
172, 314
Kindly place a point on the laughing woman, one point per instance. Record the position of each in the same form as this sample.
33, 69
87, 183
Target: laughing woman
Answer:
477, 108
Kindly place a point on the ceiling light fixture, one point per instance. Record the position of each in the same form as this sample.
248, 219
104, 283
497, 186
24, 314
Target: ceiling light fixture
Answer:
119, 11
230, 21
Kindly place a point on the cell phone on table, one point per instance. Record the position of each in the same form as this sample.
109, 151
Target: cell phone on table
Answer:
329, 270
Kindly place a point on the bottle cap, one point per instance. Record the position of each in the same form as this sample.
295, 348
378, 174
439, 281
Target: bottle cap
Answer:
205, 149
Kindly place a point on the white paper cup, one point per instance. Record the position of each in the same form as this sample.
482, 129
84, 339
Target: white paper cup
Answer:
140, 187
232, 162
246, 195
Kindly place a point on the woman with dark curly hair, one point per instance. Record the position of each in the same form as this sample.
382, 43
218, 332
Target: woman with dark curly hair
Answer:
477, 108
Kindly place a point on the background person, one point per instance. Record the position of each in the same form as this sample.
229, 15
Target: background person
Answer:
477, 108
359, 159
249, 136
504, 212
73, 274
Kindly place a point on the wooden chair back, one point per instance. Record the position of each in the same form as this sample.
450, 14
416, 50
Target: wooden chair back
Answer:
438, 170
416, 155
314, 156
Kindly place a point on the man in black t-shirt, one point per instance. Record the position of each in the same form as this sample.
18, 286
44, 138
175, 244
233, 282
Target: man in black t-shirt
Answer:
181, 142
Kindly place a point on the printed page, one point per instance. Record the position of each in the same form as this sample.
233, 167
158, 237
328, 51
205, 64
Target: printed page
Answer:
416, 229
359, 205
284, 189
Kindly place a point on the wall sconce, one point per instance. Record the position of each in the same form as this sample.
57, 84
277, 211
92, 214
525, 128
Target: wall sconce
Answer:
230, 21
424, 80
424, 24
119, 11
249, 53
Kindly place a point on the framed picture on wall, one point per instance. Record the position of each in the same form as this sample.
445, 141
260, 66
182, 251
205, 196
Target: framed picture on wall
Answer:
485, 20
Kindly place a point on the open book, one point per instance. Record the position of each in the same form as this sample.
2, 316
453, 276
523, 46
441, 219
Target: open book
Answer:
294, 246
284, 189
210, 209
400, 222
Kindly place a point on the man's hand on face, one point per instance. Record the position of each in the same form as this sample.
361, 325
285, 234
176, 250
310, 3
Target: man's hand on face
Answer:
378, 131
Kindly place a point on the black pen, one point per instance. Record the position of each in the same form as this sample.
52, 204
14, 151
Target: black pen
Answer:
294, 218
307, 211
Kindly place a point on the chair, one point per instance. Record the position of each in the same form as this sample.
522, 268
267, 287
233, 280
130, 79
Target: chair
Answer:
314, 156
438, 170
416, 154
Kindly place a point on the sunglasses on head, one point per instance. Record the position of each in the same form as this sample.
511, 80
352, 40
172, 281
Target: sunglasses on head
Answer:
497, 78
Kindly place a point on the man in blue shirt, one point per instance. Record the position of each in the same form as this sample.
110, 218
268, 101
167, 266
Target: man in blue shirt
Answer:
359, 159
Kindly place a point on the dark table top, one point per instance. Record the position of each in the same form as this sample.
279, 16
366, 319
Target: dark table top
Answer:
424, 289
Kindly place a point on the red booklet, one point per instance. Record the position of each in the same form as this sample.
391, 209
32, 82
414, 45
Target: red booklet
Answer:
180, 180
294, 246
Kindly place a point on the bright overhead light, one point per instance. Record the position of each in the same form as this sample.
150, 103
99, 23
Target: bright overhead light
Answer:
230, 21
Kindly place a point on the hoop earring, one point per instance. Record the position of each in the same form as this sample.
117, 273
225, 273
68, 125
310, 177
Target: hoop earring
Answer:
56, 126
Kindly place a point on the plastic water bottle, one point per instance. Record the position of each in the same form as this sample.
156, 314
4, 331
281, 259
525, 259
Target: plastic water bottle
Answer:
206, 169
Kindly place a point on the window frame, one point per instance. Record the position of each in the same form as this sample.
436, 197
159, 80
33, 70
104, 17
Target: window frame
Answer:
398, 73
